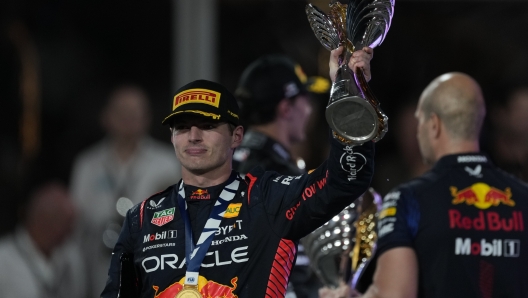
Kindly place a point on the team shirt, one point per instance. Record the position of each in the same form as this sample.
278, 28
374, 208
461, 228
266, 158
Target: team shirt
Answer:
466, 221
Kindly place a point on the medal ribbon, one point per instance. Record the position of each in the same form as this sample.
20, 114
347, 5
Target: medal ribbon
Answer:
194, 254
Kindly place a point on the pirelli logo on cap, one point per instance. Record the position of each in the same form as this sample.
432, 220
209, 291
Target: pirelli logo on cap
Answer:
205, 96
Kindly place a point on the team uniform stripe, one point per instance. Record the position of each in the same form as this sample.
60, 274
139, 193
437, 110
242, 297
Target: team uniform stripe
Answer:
251, 183
141, 214
281, 267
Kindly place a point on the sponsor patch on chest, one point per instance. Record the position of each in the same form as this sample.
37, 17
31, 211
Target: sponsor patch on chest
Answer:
162, 217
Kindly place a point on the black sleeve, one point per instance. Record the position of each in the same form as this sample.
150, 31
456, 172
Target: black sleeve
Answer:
297, 205
124, 245
398, 220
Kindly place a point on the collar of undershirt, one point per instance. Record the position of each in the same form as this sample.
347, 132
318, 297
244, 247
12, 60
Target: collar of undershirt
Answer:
464, 159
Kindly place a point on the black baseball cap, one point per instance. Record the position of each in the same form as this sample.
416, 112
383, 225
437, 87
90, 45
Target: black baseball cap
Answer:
204, 98
270, 79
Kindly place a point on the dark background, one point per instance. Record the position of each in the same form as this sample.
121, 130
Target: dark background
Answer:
84, 48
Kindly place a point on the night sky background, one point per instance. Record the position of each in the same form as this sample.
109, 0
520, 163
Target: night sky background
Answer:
84, 48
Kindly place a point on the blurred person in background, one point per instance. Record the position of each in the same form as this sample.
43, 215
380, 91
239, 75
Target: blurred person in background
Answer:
118, 172
38, 259
510, 135
458, 230
275, 106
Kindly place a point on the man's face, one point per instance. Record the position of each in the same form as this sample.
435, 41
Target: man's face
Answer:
127, 115
301, 109
203, 145
423, 136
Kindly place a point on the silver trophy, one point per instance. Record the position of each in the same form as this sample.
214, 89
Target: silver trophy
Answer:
339, 249
353, 111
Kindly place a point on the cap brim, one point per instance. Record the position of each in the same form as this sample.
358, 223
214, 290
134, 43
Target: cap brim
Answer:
207, 115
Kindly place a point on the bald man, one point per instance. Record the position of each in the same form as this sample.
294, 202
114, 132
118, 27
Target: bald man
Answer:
458, 230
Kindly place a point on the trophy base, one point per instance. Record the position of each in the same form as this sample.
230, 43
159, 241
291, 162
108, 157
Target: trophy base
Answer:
353, 120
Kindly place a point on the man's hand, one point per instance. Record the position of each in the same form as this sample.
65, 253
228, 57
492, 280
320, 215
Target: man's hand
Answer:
360, 59
343, 291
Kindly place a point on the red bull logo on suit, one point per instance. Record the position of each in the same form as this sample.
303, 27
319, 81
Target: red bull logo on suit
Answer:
482, 196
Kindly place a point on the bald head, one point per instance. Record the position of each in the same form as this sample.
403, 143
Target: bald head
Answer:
457, 100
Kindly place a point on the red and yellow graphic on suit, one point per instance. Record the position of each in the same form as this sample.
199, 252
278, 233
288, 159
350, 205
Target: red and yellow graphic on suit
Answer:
208, 289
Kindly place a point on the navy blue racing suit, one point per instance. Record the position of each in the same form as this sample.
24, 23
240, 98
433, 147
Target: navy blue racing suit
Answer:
254, 249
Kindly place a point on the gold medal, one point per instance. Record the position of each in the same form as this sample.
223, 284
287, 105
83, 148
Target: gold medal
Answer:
189, 291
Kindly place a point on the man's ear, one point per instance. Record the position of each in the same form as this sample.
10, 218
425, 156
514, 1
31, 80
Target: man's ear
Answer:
284, 108
238, 135
435, 126
172, 135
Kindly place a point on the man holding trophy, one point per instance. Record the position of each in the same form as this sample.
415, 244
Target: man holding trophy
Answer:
216, 234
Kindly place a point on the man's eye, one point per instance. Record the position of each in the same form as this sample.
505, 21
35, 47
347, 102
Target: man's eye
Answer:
181, 127
208, 126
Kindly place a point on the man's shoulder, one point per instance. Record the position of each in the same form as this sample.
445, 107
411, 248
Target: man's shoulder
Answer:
425, 180
159, 200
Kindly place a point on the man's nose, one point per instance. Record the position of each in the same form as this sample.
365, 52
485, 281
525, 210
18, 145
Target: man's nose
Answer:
195, 134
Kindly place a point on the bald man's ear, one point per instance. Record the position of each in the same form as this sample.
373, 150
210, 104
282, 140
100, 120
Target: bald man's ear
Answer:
435, 126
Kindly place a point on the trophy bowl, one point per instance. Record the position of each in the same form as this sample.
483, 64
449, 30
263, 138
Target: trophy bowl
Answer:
339, 250
353, 112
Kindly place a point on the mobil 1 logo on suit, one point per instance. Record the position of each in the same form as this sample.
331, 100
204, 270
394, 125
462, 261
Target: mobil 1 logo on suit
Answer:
488, 248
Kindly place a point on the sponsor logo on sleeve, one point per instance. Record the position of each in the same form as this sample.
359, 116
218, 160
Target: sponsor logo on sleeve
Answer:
352, 162
387, 217
162, 217
307, 193
391, 211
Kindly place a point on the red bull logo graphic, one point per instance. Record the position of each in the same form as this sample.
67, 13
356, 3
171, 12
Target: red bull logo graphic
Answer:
200, 194
207, 288
482, 196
